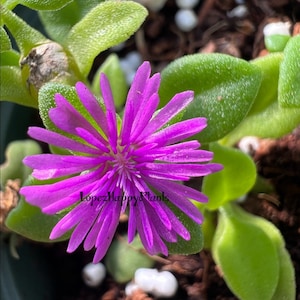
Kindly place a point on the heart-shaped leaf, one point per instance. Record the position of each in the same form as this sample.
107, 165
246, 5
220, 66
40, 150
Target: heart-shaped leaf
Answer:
225, 88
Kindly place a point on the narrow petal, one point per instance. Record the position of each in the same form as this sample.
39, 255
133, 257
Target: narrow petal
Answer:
48, 166
188, 156
188, 170
177, 132
132, 102
92, 105
59, 140
143, 116
173, 107
67, 118
92, 140
110, 111
81, 230
177, 199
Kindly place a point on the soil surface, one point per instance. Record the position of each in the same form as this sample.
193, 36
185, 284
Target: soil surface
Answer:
160, 41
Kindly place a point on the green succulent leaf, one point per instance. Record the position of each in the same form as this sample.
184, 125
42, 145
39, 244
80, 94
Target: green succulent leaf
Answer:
58, 23
286, 287
235, 180
12, 87
122, 269
246, 254
268, 92
192, 246
38, 5
112, 69
46, 102
106, 25
30, 222
276, 42
273, 122
225, 88
289, 76
5, 44
13, 167
44, 5
9, 58
26, 37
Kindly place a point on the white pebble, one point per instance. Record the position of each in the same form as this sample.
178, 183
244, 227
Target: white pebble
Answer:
239, 11
248, 144
186, 19
145, 279
130, 288
160, 284
134, 59
282, 28
187, 3
93, 274
165, 285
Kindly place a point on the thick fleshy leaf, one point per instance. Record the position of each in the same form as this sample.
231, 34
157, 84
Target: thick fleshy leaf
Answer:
289, 76
5, 44
225, 88
122, 269
46, 101
268, 92
192, 246
235, 180
245, 254
106, 25
286, 287
58, 23
20, 29
30, 222
9, 58
276, 42
272, 122
112, 69
45, 4
12, 87
13, 167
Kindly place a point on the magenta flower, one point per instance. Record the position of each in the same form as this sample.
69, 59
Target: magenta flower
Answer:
124, 170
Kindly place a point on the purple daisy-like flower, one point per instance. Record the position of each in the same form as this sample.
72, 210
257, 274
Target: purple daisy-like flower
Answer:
123, 169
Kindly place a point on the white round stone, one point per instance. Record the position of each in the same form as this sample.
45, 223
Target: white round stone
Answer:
186, 19
93, 274
145, 279
282, 28
134, 59
130, 288
165, 285
187, 3
248, 144
239, 11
